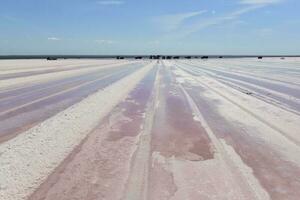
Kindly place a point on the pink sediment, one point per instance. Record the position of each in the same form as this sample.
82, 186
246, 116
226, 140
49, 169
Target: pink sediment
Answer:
277, 176
179, 134
100, 166
175, 131
175, 135
23, 112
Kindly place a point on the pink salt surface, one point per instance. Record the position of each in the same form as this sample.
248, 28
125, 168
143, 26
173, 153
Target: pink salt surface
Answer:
35, 86
175, 134
280, 178
21, 119
100, 166
51, 70
259, 85
182, 164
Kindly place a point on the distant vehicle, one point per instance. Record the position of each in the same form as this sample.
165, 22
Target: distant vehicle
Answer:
260, 57
51, 58
138, 57
155, 57
188, 57
204, 57
220, 56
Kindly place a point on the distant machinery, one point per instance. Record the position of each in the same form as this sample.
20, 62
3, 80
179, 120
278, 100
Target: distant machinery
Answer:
155, 57
51, 58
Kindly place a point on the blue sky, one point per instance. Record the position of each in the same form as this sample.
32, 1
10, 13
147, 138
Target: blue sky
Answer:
149, 27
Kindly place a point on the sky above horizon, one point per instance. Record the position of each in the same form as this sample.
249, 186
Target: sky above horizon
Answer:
109, 27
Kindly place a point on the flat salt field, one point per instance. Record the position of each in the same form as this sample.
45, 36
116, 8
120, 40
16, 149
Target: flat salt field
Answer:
150, 129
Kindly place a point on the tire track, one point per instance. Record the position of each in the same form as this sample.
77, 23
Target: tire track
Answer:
8, 84
37, 152
257, 117
2, 113
137, 185
15, 92
278, 99
230, 159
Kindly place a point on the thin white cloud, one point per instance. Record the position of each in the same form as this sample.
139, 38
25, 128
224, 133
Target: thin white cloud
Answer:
173, 21
105, 42
53, 38
110, 3
260, 2
204, 23
252, 5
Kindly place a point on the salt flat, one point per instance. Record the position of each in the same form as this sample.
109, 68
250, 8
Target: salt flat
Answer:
167, 129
